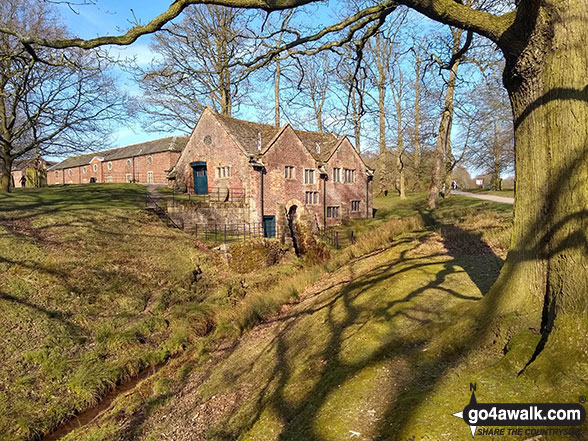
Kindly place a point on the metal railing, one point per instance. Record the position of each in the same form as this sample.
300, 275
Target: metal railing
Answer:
338, 238
220, 194
162, 214
229, 232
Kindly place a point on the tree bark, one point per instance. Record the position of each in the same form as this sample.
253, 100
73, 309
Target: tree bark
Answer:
547, 266
5, 180
449, 164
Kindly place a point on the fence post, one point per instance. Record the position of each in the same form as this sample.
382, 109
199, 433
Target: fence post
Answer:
225, 233
336, 239
352, 237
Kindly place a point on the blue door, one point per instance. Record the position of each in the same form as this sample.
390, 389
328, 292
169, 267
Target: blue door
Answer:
269, 226
200, 177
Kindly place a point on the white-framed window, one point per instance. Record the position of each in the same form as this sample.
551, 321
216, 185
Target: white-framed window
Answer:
355, 205
349, 175
289, 172
223, 172
109, 165
150, 177
311, 198
149, 160
128, 162
309, 176
336, 174
84, 181
129, 178
84, 169
108, 178
69, 172
95, 167
333, 211
56, 174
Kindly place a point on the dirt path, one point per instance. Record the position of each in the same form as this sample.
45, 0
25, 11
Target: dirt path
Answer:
487, 197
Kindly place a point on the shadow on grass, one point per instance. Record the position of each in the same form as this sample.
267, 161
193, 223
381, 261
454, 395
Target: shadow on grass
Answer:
346, 315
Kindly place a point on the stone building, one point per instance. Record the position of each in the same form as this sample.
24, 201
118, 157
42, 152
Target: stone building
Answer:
143, 163
278, 172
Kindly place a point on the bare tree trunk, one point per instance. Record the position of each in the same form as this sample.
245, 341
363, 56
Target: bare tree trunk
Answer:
400, 149
356, 108
449, 164
417, 112
443, 137
277, 93
382, 117
6, 179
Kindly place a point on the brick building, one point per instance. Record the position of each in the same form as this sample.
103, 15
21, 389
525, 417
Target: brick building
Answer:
144, 163
280, 171
34, 170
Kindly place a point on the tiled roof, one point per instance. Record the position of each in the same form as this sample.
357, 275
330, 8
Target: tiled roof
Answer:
319, 145
22, 164
247, 133
171, 143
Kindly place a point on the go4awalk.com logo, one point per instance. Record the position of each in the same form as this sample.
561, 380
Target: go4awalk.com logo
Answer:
509, 418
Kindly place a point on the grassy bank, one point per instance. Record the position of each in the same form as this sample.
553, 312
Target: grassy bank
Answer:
95, 289
384, 345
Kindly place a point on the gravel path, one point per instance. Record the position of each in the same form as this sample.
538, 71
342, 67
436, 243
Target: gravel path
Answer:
487, 197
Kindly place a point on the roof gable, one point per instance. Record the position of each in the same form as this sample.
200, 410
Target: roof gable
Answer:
338, 146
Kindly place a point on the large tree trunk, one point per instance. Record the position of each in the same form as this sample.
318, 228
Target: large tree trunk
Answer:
6, 178
443, 137
547, 266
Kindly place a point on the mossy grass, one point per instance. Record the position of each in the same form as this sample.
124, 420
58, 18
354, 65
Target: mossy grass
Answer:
95, 290
383, 345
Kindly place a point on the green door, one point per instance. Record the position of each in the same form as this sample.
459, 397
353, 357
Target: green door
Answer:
269, 226
200, 177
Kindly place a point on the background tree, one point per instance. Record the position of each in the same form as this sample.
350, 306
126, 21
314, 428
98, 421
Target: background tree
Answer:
195, 65
489, 119
443, 143
51, 108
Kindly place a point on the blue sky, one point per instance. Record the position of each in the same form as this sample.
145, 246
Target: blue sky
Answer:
110, 17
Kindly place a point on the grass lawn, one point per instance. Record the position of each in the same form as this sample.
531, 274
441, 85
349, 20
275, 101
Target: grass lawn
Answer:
95, 289
382, 347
